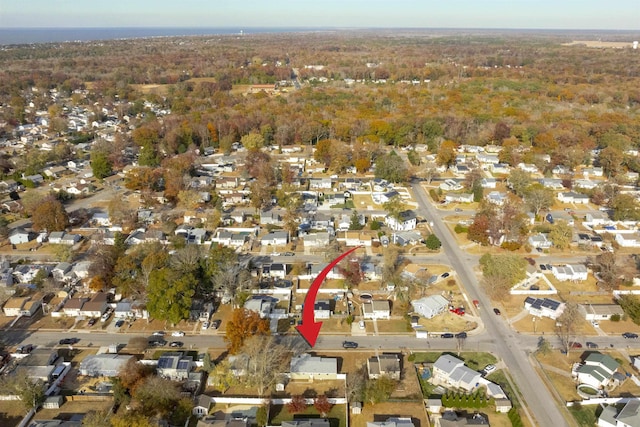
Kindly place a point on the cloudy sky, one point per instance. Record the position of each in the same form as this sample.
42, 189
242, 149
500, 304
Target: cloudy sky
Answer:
555, 14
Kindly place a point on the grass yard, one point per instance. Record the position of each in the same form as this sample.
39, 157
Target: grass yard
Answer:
473, 359
383, 411
394, 326
336, 416
585, 415
11, 413
68, 409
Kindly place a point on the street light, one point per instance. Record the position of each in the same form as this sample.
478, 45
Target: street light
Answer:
534, 324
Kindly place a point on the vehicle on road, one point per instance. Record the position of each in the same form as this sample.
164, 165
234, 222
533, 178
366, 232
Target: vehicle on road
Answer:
488, 369
68, 341
24, 349
216, 323
543, 267
591, 344
476, 303
349, 344
176, 344
461, 335
447, 335
458, 310
158, 334
177, 334
497, 312
288, 254
630, 335
157, 342
458, 210
574, 344
595, 324
445, 275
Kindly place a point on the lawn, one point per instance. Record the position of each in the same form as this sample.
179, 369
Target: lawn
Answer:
394, 326
383, 411
474, 360
336, 416
585, 415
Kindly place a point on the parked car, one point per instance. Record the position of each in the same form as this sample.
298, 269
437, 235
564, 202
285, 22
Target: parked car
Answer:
488, 369
361, 324
549, 267
68, 341
461, 335
575, 345
591, 344
119, 323
205, 325
543, 267
92, 321
158, 334
446, 335
216, 323
444, 275
497, 312
24, 349
630, 335
595, 323
176, 344
157, 342
349, 344
177, 334
289, 254
458, 210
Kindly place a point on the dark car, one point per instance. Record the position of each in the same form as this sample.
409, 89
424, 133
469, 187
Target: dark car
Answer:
157, 343
630, 335
444, 275
447, 335
92, 321
349, 344
119, 323
575, 345
591, 344
497, 312
543, 267
24, 349
288, 254
68, 341
176, 344
216, 323
461, 335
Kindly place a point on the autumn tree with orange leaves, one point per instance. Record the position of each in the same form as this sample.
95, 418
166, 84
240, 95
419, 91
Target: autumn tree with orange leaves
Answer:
242, 325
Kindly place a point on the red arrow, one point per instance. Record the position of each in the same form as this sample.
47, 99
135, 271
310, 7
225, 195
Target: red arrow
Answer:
309, 328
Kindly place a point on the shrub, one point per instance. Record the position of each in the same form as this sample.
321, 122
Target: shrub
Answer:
459, 229
511, 246
615, 318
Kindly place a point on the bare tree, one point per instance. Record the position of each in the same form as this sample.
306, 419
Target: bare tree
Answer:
266, 360
566, 325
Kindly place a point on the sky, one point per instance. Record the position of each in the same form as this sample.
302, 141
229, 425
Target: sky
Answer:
536, 14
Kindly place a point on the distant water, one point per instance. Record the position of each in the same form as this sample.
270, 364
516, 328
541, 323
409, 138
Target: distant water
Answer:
57, 35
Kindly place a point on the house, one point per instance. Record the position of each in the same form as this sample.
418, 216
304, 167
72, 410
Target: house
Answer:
586, 184
53, 402
27, 273
272, 217
450, 185
388, 196
310, 368
104, 365
60, 271
214, 421
63, 238
32, 305
320, 184
539, 241
404, 238
13, 306
573, 197
544, 307
307, 422
405, 221
19, 235
73, 306
261, 304
430, 306
528, 167
96, 306
202, 406
450, 371
628, 240
322, 309
496, 197
101, 219
552, 183
275, 238
597, 370
174, 366
594, 312
490, 183
452, 419
81, 269
570, 272
316, 240
376, 309
593, 171
392, 422
628, 416
385, 364
459, 197
500, 168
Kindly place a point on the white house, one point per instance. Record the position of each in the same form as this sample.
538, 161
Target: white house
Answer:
376, 309
103, 365
450, 185
496, 197
597, 370
406, 220
275, 238
310, 368
628, 416
573, 197
448, 370
459, 198
430, 306
628, 240
539, 241
544, 307
571, 272
322, 309
19, 235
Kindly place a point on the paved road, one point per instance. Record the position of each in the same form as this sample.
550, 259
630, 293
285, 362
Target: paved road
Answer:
531, 387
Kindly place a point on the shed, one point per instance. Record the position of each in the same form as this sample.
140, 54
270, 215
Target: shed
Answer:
53, 402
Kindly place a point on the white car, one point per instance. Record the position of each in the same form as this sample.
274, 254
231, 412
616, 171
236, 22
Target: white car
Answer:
489, 368
205, 325
362, 324
177, 334
595, 324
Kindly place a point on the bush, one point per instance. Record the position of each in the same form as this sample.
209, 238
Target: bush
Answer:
434, 195
375, 225
433, 242
615, 318
511, 246
459, 229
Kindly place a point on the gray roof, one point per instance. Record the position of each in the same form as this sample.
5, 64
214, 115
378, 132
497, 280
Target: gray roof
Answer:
307, 422
630, 414
392, 422
447, 363
307, 364
104, 364
604, 360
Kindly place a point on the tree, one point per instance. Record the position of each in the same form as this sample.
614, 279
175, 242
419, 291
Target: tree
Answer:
156, 396
433, 242
356, 384
297, 404
519, 181
350, 269
170, 295
625, 207
97, 419
609, 270
379, 390
394, 207
242, 325
50, 215
131, 419
447, 153
222, 377
262, 416
252, 141
511, 267
561, 235
229, 277
322, 405
354, 223
630, 304
266, 359
566, 325
30, 391
100, 164
414, 157
391, 167
479, 230
544, 346
133, 373
538, 198
610, 158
